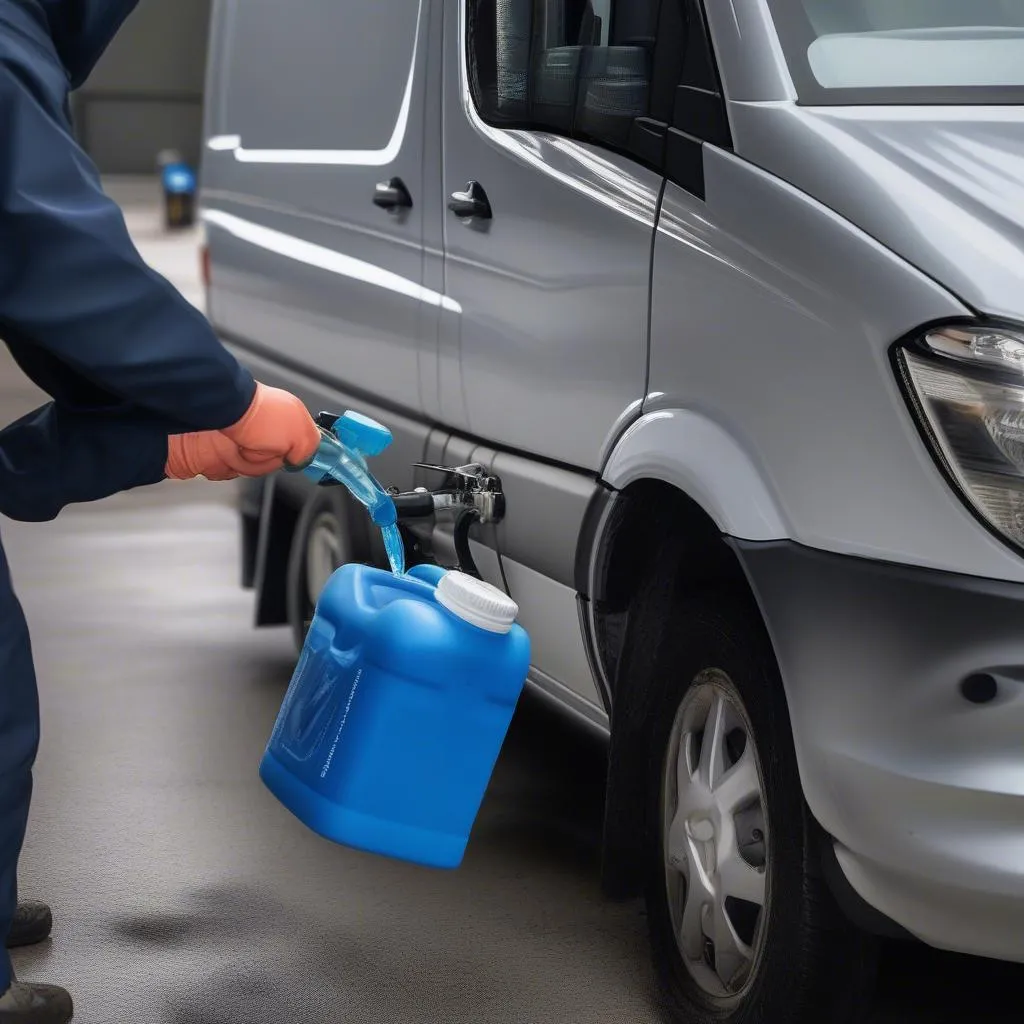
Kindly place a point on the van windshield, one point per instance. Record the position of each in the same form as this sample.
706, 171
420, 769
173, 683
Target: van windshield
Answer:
904, 51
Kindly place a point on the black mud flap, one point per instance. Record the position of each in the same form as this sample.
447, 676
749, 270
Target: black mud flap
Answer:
277, 521
250, 505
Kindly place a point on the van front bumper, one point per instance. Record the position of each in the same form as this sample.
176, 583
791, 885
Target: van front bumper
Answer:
917, 775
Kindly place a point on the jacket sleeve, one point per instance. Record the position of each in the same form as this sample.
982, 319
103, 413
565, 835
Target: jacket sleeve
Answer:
55, 456
72, 283
82, 30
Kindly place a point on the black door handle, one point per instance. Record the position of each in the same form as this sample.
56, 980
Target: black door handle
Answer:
392, 195
472, 202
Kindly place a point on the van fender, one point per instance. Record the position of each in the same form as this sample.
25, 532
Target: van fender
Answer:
688, 450
705, 463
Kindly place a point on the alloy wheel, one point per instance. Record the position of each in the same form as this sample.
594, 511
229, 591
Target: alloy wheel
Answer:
715, 838
324, 553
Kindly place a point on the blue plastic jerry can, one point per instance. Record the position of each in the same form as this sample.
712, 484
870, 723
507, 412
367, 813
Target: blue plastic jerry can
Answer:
397, 711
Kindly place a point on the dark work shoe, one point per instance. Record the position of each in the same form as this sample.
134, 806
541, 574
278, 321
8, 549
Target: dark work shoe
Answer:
35, 1004
32, 923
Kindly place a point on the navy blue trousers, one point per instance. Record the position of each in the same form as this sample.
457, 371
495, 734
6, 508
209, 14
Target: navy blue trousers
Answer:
19, 738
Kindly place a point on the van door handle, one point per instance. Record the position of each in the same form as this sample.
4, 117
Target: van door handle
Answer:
392, 195
471, 203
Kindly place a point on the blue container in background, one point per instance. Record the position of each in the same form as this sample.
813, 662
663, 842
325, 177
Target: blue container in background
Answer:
179, 184
397, 711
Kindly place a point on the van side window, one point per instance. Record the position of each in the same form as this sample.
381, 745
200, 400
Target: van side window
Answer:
602, 71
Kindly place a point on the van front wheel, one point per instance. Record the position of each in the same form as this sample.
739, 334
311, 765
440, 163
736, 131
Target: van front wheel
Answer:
743, 928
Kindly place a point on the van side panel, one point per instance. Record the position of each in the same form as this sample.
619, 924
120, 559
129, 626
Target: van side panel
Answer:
216, 54
772, 317
314, 106
549, 297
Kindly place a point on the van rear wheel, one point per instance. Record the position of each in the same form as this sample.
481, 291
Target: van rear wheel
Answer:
743, 927
321, 543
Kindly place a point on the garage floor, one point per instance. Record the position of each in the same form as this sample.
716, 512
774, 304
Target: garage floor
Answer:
185, 895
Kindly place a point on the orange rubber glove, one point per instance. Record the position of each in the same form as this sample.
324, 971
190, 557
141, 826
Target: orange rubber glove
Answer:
276, 429
210, 454
276, 424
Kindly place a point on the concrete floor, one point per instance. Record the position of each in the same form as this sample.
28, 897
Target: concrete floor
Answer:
185, 895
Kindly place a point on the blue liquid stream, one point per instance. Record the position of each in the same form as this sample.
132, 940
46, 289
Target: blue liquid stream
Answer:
349, 468
395, 548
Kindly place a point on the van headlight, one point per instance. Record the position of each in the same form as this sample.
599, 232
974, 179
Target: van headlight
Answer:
966, 383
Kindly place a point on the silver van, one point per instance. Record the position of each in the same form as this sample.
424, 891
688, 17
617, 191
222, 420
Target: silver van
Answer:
729, 295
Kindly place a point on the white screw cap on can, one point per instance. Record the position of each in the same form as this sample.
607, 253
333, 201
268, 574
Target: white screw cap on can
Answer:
476, 602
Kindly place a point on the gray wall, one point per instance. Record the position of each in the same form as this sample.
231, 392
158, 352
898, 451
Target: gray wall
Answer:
146, 93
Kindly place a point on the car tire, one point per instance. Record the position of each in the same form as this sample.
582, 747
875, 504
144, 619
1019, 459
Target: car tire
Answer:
754, 936
321, 543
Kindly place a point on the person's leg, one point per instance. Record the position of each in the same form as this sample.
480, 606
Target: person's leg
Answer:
33, 922
19, 739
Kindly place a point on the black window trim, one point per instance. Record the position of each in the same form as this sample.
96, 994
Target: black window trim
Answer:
679, 137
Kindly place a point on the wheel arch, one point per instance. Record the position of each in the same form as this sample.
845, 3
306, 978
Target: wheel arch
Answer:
649, 545
704, 461
675, 481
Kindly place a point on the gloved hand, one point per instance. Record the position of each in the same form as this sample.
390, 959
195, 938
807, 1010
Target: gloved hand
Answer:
276, 424
210, 454
276, 429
